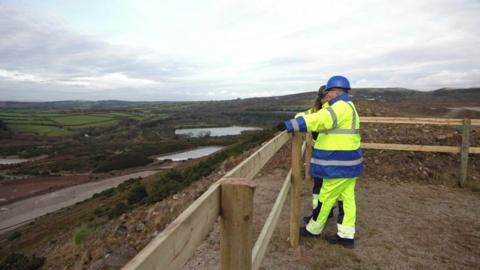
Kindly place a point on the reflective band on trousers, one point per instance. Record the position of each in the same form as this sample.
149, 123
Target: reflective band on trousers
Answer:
346, 232
345, 236
322, 162
315, 201
314, 227
295, 126
345, 229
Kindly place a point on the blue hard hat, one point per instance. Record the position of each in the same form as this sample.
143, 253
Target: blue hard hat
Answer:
338, 82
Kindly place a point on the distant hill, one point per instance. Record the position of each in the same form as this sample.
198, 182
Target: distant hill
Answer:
395, 94
77, 104
359, 94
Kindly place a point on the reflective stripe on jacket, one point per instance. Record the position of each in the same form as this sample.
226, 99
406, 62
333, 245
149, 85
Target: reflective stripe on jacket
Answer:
337, 152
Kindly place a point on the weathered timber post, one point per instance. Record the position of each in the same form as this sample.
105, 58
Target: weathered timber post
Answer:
296, 189
236, 240
464, 152
308, 155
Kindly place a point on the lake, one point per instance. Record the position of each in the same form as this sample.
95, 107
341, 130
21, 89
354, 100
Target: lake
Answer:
195, 153
213, 131
15, 159
6, 161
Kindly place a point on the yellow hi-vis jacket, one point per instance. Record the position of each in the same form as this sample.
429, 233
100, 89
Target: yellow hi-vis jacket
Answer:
336, 152
309, 111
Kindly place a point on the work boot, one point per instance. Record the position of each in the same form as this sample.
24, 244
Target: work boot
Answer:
305, 233
337, 240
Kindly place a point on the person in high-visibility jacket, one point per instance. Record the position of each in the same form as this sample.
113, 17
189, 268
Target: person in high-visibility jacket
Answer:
337, 158
318, 103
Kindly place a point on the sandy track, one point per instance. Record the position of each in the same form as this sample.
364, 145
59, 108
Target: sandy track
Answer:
15, 214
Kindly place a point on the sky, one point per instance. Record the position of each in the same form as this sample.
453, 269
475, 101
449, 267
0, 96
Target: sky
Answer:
225, 49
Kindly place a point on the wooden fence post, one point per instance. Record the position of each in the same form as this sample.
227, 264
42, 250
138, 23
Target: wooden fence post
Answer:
236, 240
308, 155
464, 152
296, 189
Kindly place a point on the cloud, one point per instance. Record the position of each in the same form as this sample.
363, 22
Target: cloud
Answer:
36, 45
17, 76
229, 49
453, 79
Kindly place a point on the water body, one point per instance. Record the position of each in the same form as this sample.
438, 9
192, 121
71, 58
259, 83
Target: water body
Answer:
6, 161
15, 160
195, 153
214, 132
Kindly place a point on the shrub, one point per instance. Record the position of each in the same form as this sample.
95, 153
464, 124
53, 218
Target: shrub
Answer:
163, 189
14, 235
101, 211
123, 161
136, 194
80, 234
118, 210
18, 261
105, 193
125, 185
174, 175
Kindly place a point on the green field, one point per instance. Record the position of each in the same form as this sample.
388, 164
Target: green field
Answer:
38, 129
59, 123
81, 120
107, 123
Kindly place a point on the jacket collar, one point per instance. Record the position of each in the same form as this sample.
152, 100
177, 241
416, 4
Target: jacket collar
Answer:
343, 97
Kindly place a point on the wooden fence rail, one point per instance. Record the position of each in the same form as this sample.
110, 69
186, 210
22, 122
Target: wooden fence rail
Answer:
464, 149
231, 198
176, 243
266, 233
420, 121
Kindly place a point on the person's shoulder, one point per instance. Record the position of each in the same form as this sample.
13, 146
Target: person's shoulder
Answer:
339, 104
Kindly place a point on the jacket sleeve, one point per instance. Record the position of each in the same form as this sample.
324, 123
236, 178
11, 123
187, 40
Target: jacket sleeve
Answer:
314, 122
309, 111
299, 114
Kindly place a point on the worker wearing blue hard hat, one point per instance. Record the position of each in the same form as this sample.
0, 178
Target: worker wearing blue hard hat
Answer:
337, 158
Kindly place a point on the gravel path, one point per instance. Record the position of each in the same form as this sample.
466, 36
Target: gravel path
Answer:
18, 213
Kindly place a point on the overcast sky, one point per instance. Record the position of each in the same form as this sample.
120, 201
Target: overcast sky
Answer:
202, 50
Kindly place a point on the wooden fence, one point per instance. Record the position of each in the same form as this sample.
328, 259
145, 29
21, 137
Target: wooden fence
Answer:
231, 198
464, 149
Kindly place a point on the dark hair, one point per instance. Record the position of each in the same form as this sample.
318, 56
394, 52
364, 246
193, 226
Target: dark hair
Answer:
317, 104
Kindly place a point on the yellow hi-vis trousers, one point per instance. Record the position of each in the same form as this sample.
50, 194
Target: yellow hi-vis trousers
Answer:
317, 186
332, 189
